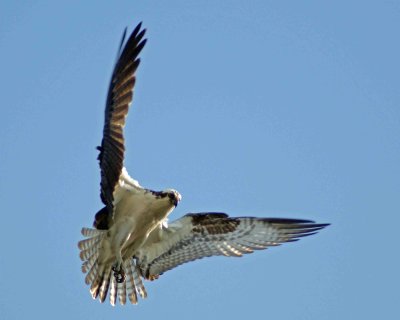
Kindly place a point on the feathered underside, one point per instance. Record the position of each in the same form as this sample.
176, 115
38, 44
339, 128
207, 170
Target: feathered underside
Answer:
103, 282
200, 235
194, 236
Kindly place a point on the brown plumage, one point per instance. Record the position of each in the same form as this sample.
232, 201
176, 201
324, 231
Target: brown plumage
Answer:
131, 239
120, 95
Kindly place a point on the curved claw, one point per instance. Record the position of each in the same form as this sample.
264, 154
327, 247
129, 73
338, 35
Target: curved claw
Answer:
120, 277
119, 274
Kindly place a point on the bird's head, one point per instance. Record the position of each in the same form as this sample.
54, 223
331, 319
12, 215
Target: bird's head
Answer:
173, 195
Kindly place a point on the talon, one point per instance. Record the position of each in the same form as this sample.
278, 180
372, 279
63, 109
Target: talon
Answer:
119, 274
120, 277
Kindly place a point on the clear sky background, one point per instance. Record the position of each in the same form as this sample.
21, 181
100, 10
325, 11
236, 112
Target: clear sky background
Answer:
262, 108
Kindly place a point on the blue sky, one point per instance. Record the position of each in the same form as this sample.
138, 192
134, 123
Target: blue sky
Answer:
262, 108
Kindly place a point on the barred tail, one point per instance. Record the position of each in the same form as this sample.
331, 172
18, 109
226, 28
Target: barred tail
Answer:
100, 277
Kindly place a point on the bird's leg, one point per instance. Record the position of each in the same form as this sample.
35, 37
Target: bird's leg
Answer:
118, 244
125, 228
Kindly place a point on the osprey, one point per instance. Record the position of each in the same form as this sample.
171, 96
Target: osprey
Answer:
131, 239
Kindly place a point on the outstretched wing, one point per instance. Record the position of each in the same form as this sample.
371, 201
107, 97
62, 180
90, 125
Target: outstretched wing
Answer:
120, 94
200, 235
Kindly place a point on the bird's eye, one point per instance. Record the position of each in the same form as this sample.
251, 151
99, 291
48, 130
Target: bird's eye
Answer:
171, 196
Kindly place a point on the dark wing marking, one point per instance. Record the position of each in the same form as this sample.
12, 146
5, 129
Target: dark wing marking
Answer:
120, 94
199, 235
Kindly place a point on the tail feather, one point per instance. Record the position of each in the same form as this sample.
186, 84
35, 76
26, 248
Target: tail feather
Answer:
85, 255
92, 274
138, 281
122, 292
130, 283
105, 285
95, 286
89, 243
100, 276
90, 232
88, 264
113, 291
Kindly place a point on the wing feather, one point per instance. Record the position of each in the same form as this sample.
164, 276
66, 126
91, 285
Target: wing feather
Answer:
200, 235
120, 95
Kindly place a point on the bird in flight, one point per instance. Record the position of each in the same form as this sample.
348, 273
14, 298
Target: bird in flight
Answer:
130, 239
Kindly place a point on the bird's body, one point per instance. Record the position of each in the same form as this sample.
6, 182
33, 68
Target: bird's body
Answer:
137, 213
131, 239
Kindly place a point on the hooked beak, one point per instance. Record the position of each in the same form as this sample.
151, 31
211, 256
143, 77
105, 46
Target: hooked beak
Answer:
175, 197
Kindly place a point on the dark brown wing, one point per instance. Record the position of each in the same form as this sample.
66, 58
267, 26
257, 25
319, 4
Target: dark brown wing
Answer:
120, 94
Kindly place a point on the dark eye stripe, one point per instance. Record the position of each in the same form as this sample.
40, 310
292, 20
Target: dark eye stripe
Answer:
171, 196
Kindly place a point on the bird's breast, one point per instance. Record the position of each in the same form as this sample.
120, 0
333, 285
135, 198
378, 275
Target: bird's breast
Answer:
140, 212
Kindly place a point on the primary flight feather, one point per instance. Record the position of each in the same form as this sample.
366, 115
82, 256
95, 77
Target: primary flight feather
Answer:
131, 239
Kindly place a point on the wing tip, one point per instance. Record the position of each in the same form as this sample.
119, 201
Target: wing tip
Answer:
304, 223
